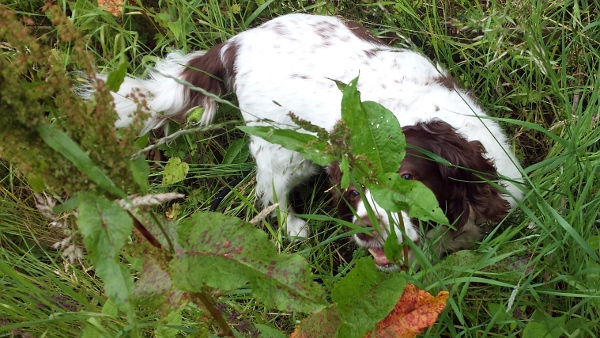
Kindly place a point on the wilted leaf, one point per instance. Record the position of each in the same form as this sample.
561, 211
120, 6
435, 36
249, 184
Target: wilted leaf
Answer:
175, 171
365, 296
415, 311
114, 7
105, 227
226, 253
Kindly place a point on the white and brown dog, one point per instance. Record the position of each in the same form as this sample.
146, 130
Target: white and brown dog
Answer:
287, 65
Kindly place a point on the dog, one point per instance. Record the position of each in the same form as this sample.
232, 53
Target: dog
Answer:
287, 65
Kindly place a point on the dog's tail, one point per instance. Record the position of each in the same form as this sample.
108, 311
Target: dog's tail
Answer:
176, 84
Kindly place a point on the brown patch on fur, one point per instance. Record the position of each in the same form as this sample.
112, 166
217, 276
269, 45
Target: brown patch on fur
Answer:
464, 181
459, 188
325, 30
370, 53
210, 73
447, 81
299, 76
362, 33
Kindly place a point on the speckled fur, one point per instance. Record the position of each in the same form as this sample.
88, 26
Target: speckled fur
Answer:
287, 65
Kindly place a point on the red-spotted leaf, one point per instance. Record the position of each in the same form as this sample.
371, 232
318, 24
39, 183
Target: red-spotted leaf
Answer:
226, 253
175, 171
323, 324
155, 289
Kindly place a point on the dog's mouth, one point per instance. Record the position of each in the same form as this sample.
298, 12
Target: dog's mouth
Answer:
382, 262
380, 258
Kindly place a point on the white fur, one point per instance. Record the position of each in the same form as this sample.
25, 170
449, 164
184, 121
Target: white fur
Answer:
383, 219
286, 65
161, 94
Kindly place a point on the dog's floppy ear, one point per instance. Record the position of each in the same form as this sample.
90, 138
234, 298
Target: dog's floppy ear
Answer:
467, 177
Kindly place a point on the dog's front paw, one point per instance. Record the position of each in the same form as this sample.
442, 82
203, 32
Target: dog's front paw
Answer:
297, 227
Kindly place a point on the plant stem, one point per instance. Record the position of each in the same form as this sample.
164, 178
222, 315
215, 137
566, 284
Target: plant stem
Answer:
214, 312
164, 232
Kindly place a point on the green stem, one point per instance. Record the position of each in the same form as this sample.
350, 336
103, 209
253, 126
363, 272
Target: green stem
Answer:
164, 232
226, 330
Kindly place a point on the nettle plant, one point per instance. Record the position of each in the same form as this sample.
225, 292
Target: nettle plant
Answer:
369, 145
150, 263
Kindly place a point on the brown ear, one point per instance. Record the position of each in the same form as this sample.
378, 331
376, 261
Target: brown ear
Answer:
213, 71
467, 179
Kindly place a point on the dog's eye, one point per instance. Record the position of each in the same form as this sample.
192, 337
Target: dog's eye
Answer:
407, 176
353, 194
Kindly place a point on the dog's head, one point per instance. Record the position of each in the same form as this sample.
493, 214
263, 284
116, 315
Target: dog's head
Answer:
462, 188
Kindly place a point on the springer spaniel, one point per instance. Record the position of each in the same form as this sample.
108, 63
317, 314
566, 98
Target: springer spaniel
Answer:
287, 65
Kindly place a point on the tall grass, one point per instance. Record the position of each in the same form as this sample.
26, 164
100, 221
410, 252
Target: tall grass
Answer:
534, 65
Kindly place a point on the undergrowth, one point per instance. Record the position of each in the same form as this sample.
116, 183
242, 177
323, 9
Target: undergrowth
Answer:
532, 64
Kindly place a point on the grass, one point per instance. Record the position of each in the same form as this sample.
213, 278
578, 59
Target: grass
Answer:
533, 64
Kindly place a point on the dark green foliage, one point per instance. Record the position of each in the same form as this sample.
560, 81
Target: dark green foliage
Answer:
531, 61
36, 91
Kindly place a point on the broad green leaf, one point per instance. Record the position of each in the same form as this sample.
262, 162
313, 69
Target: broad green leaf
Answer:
173, 317
141, 171
109, 308
175, 171
226, 253
365, 296
154, 288
306, 144
68, 205
175, 27
269, 332
36, 182
117, 76
499, 314
237, 152
106, 227
376, 133
142, 141
323, 324
61, 143
394, 194
195, 115
392, 249
384, 128
544, 326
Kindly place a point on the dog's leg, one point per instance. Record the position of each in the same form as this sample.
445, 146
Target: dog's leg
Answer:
278, 171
